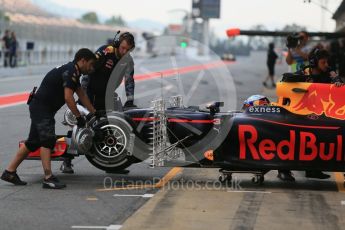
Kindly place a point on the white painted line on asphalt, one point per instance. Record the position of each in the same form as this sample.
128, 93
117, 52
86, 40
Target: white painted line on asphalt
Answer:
114, 227
110, 227
132, 195
342, 202
148, 195
89, 227
243, 191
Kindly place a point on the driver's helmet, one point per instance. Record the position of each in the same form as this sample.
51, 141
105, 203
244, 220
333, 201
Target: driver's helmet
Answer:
255, 100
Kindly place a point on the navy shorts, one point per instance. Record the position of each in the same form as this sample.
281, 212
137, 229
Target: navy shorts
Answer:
42, 133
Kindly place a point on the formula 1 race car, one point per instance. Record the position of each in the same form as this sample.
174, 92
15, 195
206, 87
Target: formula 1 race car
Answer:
228, 57
303, 130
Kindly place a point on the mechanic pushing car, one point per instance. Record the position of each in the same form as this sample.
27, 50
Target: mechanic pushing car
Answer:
56, 89
108, 56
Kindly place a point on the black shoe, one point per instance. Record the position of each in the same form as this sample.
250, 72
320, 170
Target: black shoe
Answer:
121, 171
53, 183
316, 174
66, 167
12, 177
285, 176
264, 83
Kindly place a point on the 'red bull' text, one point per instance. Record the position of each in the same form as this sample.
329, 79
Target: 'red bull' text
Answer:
300, 145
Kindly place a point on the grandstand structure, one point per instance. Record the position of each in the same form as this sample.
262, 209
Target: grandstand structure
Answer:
44, 37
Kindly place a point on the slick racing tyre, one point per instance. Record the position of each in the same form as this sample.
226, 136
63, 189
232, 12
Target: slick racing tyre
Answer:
112, 144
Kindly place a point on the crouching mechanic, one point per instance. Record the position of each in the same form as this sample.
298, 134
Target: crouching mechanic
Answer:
56, 89
111, 59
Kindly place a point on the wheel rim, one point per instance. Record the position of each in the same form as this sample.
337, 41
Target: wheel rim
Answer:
114, 142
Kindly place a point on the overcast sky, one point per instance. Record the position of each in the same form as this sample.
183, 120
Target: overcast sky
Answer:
235, 13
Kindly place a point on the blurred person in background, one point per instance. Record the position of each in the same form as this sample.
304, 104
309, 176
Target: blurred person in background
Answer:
6, 40
297, 56
271, 61
1, 48
13, 50
342, 58
334, 55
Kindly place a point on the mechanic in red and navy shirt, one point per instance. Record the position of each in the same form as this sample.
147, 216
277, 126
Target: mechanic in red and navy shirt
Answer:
107, 58
57, 88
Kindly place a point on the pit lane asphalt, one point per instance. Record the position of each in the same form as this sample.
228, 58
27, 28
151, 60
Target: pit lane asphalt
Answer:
81, 204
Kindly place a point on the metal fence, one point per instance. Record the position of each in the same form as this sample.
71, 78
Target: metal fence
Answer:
25, 58
52, 44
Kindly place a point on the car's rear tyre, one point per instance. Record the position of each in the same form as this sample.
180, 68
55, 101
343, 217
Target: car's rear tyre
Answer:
110, 149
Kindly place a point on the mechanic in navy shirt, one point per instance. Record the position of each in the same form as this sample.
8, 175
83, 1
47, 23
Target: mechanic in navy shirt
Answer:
107, 58
56, 89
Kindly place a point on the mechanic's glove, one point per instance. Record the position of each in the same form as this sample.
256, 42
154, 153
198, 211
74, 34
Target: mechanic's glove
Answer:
89, 116
81, 122
129, 103
100, 113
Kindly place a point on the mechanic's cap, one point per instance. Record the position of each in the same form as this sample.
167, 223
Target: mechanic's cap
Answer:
255, 100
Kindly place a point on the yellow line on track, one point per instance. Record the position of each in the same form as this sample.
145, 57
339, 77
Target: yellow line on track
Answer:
171, 174
339, 180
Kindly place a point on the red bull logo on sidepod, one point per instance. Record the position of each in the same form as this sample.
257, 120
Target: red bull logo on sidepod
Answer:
318, 99
297, 145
